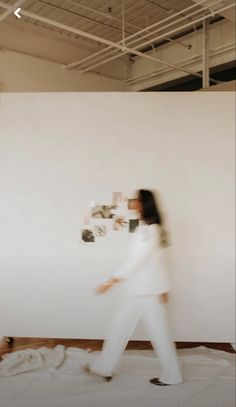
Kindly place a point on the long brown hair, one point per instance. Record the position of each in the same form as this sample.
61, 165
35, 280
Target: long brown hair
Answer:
150, 214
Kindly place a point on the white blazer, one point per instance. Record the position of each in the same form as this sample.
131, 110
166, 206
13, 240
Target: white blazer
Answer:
144, 271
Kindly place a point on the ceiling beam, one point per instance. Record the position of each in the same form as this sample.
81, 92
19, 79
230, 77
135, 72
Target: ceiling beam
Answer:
228, 14
194, 59
105, 41
205, 54
131, 40
202, 18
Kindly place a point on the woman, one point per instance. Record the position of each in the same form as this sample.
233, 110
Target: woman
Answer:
146, 295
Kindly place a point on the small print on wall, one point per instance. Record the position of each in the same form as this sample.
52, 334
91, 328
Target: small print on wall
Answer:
87, 235
117, 198
86, 219
120, 224
103, 211
100, 230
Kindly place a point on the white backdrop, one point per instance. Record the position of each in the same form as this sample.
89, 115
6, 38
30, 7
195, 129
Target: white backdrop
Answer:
58, 151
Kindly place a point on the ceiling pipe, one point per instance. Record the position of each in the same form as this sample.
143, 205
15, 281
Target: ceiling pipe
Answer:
146, 29
97, 54
111, 17
157, 72
153, 40
230, 16
102, 40
162, 36
123, 23
205, 55
195, 59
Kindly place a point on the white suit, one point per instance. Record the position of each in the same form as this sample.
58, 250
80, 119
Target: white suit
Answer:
145, 277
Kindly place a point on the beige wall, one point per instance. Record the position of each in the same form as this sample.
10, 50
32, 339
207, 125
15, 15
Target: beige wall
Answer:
60, 151
23, 73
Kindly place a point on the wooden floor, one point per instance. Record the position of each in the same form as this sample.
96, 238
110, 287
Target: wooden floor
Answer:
93, 345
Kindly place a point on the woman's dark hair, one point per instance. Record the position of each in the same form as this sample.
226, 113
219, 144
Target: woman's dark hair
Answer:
150, 213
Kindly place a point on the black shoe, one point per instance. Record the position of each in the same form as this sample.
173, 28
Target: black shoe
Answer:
156, 381
108, 378
87, 370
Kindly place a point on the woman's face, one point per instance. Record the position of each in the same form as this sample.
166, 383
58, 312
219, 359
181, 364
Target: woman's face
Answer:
137, 205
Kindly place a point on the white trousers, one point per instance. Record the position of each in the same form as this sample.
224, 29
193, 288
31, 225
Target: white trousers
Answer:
153, 312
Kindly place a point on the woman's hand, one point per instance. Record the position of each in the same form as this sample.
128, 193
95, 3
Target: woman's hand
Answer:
164, 298
101, 289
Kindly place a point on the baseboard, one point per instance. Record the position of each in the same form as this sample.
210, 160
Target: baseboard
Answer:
96, 344
227, 347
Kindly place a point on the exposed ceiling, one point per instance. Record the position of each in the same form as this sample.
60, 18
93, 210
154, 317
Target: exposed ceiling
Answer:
90, 34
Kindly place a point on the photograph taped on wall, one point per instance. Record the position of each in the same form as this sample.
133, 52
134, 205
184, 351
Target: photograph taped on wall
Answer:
103, 211
100, 220
100, 230
117, 198
87, 235
120, 224
86, 219
133, 224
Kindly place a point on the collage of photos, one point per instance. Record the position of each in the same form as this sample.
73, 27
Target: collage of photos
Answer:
119, 216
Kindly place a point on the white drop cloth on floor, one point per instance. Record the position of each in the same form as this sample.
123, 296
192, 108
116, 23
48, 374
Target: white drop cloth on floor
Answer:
56, 378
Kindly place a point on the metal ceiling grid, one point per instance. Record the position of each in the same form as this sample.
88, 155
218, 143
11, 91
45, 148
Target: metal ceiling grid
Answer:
69, 15
72, 17
138, 14
115, 28
107, 27
92, 22
65, 17
193, 10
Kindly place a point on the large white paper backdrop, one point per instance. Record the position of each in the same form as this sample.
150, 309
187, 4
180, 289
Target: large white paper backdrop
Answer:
59, 151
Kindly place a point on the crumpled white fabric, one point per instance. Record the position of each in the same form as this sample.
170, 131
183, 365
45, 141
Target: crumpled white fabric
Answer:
44, 361
56, 378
